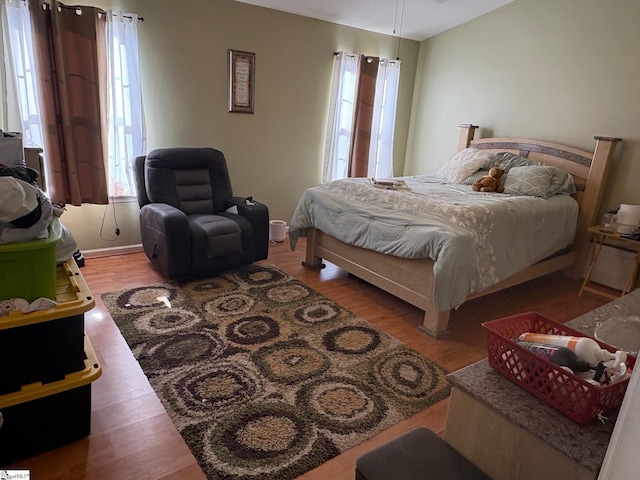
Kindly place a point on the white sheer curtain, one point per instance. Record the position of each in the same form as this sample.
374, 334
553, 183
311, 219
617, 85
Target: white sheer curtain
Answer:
384, 118
346, 69
125, 123
22, 107
346, 72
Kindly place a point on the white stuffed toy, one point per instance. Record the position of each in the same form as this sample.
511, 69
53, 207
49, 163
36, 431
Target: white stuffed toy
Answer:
21, 305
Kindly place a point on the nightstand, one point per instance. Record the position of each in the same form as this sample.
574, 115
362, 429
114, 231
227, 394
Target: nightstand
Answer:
600, 238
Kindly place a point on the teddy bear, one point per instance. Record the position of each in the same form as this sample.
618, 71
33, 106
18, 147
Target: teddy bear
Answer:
491, 182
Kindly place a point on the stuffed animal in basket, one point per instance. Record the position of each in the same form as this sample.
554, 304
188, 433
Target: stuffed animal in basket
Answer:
491, 182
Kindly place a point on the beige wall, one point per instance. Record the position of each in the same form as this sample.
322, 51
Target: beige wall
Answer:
559, 71
273, 154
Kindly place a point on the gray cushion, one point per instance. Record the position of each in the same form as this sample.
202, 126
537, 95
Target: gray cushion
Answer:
194, 180
216, 235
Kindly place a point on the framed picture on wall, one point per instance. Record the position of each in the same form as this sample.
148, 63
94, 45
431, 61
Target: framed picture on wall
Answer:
241, 81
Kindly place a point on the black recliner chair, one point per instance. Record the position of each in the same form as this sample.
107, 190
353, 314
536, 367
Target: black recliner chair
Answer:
184, 196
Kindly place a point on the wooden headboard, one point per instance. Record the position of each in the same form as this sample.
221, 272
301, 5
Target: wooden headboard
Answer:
589, 169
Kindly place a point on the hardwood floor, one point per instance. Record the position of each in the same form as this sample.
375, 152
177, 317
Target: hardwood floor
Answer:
132, 437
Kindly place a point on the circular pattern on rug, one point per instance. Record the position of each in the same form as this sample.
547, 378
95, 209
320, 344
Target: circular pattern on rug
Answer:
232, 304
341, 404
354, 340
316, 313
407, 374
141, 297
290, 362
211, 286
167, 320
207, 387
287, 293
263, 439
182, 349
257, 275
252, 330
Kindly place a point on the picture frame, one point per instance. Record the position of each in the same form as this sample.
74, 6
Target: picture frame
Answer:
241, 81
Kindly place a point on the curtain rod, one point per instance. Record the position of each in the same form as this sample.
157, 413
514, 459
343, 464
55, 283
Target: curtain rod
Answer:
75, 7
353, 55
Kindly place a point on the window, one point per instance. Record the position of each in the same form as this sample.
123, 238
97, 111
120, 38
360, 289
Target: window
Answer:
22, 109
125, 116
342, 117
126, 129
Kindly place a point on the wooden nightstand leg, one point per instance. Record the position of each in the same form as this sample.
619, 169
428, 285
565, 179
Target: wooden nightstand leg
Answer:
597, 246
633, 277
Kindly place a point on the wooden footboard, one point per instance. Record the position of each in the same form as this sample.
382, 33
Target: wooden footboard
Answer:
411, 280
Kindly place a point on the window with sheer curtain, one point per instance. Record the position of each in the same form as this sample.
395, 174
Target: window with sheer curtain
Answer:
21, 109
359, 138
123, 119
126, 126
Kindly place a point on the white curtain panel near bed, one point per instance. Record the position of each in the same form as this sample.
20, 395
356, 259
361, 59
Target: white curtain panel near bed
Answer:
340, 126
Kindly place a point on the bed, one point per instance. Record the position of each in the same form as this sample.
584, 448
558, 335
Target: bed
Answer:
432, 275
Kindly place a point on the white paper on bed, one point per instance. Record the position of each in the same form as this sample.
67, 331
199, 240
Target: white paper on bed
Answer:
475, 239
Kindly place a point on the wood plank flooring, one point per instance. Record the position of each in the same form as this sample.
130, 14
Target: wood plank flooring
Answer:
132, 437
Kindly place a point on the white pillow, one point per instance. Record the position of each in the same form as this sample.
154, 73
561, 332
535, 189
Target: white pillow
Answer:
464, 163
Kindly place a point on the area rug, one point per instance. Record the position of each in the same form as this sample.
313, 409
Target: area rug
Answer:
264, 377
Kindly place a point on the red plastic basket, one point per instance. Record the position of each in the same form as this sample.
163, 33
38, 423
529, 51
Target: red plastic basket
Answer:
574, 397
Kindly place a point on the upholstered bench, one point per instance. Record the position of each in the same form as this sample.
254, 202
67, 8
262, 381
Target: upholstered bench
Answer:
417, 455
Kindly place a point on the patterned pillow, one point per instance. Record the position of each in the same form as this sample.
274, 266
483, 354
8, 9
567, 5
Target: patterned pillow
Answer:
561, 183
534, 181
463, 164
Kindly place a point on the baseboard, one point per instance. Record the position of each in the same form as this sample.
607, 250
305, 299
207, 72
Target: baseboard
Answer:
107, 252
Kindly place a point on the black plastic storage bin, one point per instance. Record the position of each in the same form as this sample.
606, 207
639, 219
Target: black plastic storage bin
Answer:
43, 417
44, 424
45, 345
43, 352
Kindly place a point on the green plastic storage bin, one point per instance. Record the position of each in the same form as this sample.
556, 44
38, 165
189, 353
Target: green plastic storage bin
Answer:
28, 269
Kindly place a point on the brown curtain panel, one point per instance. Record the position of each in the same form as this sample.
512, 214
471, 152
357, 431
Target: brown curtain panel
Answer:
69, 50
359, 164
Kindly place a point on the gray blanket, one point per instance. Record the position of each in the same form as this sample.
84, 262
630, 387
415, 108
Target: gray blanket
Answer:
475, 239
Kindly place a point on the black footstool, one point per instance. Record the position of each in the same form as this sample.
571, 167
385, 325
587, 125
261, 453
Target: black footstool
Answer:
417, 455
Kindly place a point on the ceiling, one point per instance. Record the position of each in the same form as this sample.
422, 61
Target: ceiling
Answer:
412, 19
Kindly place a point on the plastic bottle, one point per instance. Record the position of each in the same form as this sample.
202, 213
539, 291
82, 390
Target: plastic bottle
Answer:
561, 356
608, 222
585, 348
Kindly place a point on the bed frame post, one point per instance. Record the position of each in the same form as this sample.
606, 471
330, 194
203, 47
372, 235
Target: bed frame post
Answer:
594, 189
312, 260
467, 132
435, 323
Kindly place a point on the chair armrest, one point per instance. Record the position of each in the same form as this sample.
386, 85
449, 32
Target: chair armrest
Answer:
258, 214
166, 237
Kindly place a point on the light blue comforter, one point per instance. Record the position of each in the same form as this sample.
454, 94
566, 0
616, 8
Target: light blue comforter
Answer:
475, 239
